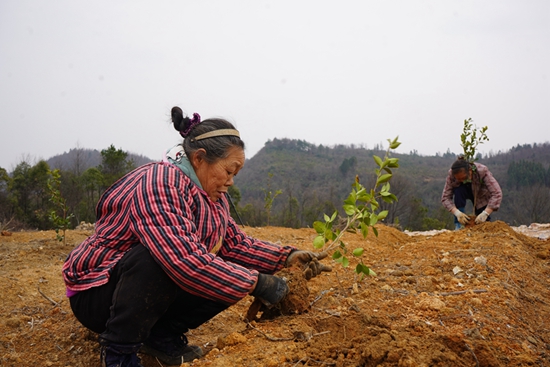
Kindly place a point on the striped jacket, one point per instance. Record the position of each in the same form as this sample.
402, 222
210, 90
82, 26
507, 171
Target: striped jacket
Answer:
192, 238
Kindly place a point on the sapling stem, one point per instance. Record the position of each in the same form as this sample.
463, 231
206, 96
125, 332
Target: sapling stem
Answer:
362, 211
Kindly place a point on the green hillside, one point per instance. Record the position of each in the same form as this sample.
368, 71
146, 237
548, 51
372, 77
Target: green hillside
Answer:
316, 179
302, 181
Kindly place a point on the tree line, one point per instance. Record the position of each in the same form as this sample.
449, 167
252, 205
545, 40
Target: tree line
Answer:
31, 195
314, 179
289, 183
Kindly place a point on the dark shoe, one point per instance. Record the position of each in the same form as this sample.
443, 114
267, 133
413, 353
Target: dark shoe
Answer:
120, 355
172, 351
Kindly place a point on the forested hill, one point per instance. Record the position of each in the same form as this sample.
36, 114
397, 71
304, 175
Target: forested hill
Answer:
315, 179
79, 160
289, 183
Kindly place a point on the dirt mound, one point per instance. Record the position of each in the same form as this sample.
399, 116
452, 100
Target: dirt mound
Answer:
500, 228
474, 297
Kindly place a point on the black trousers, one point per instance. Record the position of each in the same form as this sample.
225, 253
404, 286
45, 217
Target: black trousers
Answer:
139, 301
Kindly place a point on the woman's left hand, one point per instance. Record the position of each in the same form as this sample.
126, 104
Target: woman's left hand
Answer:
309, 261
482, 217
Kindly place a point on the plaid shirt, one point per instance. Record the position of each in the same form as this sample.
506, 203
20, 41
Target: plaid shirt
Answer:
485, 189
192, 238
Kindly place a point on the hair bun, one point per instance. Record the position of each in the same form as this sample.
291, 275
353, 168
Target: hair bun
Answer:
190, 124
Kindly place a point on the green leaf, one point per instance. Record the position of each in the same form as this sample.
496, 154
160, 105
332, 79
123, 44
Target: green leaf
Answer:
363, 269
384, 178
375, 231
345, 262
319, 227
349, 209
392, 162
374, 205
364, 197
373, 219
378, 160
336, 255
395, 145
358, 252
319, 242
389, 198
383, 214
333, 216
329, 234
327, 218
368, 271
350, 201
364, 229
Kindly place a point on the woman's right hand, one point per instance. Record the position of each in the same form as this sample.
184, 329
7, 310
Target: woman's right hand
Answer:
461, 217
270, 289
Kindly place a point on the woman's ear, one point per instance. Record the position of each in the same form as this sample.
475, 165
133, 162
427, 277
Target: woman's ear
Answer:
198, 157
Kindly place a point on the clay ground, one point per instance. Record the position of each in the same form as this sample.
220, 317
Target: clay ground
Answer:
474, 297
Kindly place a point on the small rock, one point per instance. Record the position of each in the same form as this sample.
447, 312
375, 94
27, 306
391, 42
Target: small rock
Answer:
13, 322
476, 301
481, 260
431, 303
231, 339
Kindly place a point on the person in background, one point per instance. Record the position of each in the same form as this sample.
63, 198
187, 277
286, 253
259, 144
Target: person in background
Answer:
474, 182
166, 256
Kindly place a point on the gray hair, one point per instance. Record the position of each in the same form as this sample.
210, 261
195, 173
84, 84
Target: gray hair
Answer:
216, 147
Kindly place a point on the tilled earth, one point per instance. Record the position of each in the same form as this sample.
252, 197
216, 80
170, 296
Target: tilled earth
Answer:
474, 297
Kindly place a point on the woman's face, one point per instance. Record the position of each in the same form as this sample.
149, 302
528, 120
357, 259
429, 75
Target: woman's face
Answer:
216, 178
463, 175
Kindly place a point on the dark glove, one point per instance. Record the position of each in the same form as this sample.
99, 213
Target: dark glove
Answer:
270, 289
309, 261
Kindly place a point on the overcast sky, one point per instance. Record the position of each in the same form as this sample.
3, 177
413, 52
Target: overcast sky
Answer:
94, 73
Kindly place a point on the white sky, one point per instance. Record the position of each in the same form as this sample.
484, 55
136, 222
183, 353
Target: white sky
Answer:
95, 73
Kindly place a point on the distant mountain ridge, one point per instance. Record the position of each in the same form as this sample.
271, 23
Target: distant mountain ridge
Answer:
319, 177
315, 179
80, 159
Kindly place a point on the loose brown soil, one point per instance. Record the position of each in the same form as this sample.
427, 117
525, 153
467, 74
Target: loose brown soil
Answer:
474, 297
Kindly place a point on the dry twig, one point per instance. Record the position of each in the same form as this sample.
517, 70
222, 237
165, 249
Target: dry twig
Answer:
471, 351
463, 292
308, 359
318, 297
273, 339
48, 298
